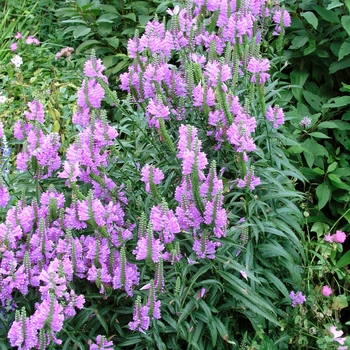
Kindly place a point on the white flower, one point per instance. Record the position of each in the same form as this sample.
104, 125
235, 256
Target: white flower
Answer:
2, 99
17, 61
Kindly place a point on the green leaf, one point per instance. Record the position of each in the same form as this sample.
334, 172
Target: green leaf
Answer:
81, 31
298, 77
332, 167
277, 283
312, 150
336, 102
143, 19
113, 42
298, 42
345, 22
337, 182
344, 50
186, 311
274, 250
319, 135
328, 124
107, 18
86, 44
328, 15
101, 320
82, 3
343, 63
310, 18
313, 100
323, 194
344, 260
334, 4
131, 16
320, 228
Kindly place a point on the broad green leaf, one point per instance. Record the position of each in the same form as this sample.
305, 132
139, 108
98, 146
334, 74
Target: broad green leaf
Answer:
328, 15
310, 18
309, 50
343, 63
344, 260
320, 228
319, 135
113, 42
345, 22
343, 138
347, 3
312, 150
164, 5
82, 3
298, 78
318, 171
337, 102
323, 194
315, 101
332, 167
342, 125
86, 44
131, 16
337, 182
298, 42
81, 31
107, 17
143, 19
109, 61
334, 4
328, 124
344, 50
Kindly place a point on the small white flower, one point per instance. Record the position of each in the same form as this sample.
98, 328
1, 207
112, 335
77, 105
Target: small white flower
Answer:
17, 61
2, 99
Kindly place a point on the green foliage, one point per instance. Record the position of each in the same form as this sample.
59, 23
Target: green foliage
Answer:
105, 26
318, 64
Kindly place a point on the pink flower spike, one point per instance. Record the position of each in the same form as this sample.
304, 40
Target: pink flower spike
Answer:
339, 236
326, 291
18, 35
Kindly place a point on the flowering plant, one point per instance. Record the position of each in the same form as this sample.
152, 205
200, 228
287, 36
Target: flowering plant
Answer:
180, 215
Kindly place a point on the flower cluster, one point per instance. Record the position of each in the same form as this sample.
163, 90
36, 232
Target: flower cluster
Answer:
65, 52
338, 237
297, 298
40, 249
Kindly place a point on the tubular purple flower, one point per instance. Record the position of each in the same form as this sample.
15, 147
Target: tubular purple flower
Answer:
156, 110
4, 195
101, 343
157, 176
204, 248
141, 319
93, 68
259, 69
275, 115
36, 111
